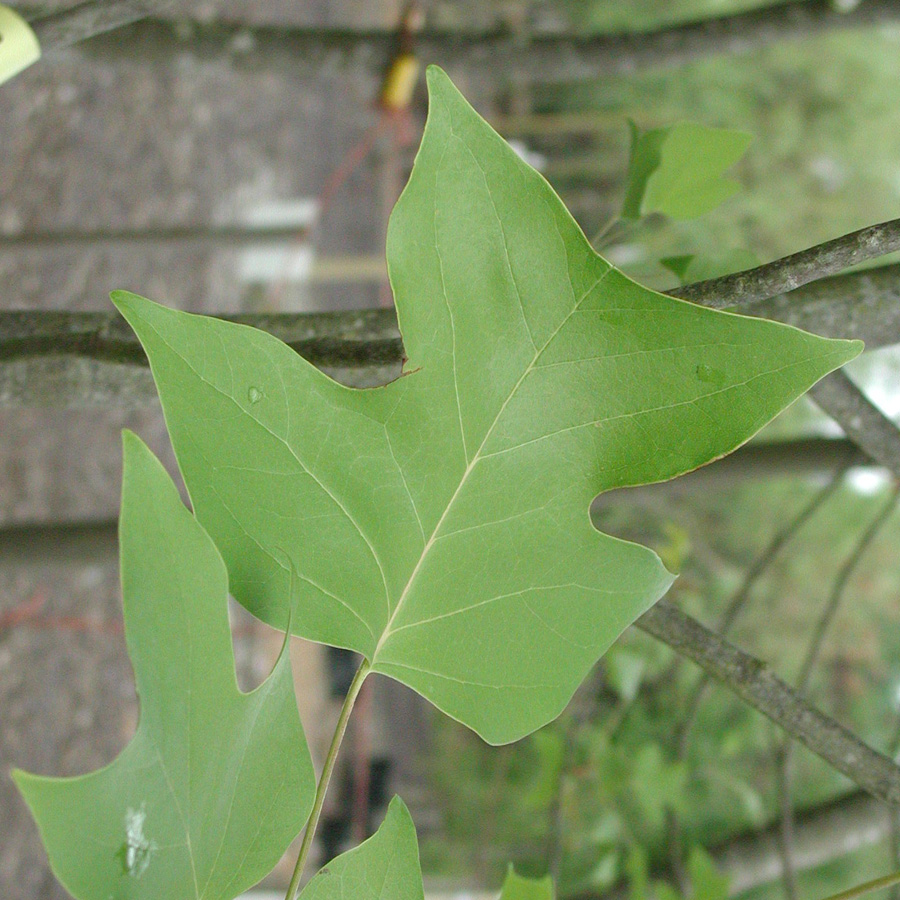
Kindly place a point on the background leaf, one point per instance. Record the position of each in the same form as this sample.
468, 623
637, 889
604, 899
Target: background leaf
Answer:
215, 784
678, 171
517, 887
707, 883
689, 268
440, 525
385, 867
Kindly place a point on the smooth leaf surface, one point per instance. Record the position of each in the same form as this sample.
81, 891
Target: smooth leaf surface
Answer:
440, 525
215, 783
678, 171
517, 887
385, 867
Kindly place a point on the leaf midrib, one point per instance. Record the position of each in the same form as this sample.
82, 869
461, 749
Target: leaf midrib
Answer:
476, 458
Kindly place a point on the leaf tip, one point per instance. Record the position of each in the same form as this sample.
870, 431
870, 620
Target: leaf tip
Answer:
135, 453
441, 88
123, 300
435, 75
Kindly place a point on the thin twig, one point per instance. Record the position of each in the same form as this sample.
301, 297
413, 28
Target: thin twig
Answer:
790, 272
758, 568
786, 825
894, 816
813, 651
874, 885
755, 683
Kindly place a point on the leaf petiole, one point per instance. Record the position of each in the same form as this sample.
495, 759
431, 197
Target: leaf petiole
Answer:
325, 778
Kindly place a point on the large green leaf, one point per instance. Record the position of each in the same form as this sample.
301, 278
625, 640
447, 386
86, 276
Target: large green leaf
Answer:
385, 867
440, 525
216, 783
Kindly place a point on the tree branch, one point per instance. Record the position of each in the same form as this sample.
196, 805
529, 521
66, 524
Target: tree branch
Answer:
790, 272
837, 395
89, 19
358, 339
863, 305
822, 835
866, 425
217, 237
545, 58
753, 574
755, 683
61, 358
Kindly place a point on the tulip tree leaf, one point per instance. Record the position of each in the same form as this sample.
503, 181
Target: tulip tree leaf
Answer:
517, 887
678, 171
385, 867
215, 783
439, 524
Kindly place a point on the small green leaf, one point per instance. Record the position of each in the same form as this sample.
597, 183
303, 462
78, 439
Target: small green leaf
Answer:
550, 750
517, 887
637, 870
666, 891
707, 883
625, 671
657, 783
689, 269
385, 867
678, 171
215, 784
678, 265
439, 525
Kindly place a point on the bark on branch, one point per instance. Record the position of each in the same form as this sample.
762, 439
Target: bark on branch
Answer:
755, 683
866, 425
790, 272
544, 58
837, 395
88, 359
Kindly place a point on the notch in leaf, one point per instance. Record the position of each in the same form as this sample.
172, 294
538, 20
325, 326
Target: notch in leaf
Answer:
216, 783
439, 525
